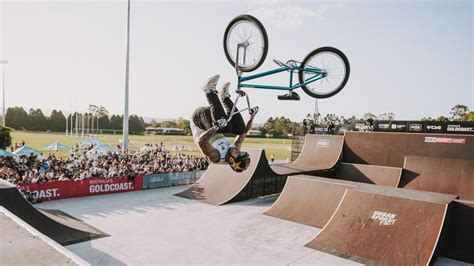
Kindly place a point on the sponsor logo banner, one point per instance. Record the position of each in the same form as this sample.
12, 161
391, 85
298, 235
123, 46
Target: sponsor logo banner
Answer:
445, 140
170, 179
398, 126
68, 189
385, 126
460, 128
361, 127
416, 127
435, 127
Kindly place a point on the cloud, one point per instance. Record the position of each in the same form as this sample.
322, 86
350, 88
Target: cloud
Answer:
289, 16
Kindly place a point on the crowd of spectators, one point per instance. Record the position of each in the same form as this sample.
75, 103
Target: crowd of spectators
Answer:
17, 145
80, 165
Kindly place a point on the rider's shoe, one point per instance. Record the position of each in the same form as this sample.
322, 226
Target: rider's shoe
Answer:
290, 96
224, 91
210, 84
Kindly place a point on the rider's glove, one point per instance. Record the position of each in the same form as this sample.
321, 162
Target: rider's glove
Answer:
221, 123
253, 111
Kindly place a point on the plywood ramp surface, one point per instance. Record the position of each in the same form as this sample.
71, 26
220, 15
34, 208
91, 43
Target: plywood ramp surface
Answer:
320, 152
385, 225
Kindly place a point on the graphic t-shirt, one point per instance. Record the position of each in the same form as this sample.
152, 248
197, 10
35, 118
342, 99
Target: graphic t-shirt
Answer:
219, 141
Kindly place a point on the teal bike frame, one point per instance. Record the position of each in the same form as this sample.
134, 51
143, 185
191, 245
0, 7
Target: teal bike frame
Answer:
318, 74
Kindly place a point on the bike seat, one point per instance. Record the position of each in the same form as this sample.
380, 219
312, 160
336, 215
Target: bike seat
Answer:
280, 63
291, 64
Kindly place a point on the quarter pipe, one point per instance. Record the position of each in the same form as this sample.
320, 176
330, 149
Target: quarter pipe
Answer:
390, 149
444, 175
220, 184
382, 225
309, 200
370, 174
58, 226
320, 152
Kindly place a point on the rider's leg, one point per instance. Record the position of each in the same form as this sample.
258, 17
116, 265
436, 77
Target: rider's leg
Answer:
237, 121
202, 118
216, 110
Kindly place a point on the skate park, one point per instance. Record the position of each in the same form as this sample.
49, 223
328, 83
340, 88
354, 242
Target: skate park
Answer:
349, 140
345, 206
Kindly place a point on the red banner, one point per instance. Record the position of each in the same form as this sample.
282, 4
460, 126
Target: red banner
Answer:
68, 189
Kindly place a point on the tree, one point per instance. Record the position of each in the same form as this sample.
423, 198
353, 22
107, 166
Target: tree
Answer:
168, 124
442, 119
470, 116
5, 137
136, 124
459, 112
331, 118
116, 122
37, 121
104, 122
387, 116
154, 123
269, 126
184, 124
369, 115
57, 121
279, 127
428, 118
16, 118
100, 112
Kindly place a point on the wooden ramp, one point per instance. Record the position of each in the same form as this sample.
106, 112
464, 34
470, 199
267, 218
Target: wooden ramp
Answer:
390, 149
220, 184
320, 152
309, 200
369, 174
445, 175
62, 228
382, 225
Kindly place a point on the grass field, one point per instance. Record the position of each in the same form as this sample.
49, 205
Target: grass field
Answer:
280, 148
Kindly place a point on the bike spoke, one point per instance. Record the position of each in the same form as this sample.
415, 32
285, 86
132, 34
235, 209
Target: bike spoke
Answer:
245, 32
334, 67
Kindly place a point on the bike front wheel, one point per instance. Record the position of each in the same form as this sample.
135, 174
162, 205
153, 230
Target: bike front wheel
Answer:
248, 33
324, 72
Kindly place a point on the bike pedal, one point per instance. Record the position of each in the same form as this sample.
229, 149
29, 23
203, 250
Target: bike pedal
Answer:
293, 96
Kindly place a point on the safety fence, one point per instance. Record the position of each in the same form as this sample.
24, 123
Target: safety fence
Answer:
171, 179
96, 186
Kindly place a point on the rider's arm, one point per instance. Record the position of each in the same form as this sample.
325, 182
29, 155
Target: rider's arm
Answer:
206, 147
240, 138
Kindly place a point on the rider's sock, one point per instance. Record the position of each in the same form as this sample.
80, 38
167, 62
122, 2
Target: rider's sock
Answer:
210, 84
224, 91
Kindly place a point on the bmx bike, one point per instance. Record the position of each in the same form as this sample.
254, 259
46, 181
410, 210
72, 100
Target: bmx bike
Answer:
322, 73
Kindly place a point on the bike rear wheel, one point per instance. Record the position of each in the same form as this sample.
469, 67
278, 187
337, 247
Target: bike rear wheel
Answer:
330, 61
250, 33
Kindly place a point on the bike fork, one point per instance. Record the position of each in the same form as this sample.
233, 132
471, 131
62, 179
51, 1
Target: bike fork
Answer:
240, 93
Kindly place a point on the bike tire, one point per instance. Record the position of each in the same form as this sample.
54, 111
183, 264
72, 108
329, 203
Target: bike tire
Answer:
336, 90
227, 50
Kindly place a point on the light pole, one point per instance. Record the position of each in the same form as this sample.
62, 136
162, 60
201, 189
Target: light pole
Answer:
125, 113
3, 62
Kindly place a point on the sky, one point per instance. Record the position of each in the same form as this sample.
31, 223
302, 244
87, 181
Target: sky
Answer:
412, 58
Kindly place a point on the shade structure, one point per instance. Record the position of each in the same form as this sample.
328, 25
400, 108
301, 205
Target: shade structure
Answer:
101, 149
56, 147
94, 142
5, 153
25, 150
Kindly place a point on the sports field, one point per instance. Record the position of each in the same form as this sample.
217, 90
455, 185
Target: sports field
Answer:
280, 148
